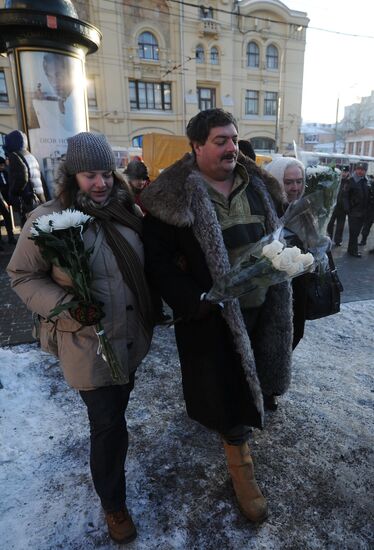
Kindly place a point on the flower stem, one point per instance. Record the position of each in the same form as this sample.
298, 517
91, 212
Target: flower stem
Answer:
107, 353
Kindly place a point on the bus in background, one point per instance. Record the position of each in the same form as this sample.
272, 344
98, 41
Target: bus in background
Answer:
311, 158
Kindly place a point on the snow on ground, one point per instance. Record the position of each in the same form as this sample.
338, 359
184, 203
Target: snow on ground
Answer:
314, 460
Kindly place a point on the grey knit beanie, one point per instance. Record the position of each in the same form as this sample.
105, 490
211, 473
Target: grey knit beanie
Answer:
87, 152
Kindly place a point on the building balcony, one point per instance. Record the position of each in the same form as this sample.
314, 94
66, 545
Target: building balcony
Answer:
209, 27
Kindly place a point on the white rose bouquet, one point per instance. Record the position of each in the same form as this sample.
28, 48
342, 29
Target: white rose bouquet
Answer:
59, 237
263, 265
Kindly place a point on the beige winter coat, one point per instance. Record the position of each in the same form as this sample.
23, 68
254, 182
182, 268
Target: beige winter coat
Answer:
36, 283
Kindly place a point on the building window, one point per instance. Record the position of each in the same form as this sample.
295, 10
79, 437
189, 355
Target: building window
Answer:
271, 57
214, 56
200, 54
251, 102
205, 13
4, 98
150, 95
253, 55
350, 148
270, 103
263, 144
366, 148
91, 93
206, 98
148, 46
137, 141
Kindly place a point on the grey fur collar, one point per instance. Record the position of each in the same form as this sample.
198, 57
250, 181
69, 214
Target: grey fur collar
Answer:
169, 197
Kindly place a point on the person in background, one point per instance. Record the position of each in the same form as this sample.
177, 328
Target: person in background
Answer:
356, 195
245, 147
339, 214
369, 219
136, 174
290, 173
88, 182
4, 203
202, 212
137, 177
25, 183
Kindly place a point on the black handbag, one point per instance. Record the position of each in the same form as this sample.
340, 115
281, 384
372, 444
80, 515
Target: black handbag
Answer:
323, 292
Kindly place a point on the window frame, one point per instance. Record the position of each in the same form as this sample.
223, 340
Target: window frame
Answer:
272, 59
200, 54
206, 12
252, 54
140, 92
205, 102
248, 100
152, 46
4, 95
271, 102
91, 97
214, 55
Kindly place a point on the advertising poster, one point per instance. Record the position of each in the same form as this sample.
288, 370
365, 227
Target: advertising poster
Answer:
54, 98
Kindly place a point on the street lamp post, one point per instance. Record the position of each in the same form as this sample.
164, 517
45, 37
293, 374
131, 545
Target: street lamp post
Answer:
47, 47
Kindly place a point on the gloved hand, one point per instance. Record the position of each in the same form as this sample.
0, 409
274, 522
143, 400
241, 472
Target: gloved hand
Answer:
87, 314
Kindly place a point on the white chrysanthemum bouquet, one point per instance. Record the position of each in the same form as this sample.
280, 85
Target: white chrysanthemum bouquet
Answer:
259, 268
59, 237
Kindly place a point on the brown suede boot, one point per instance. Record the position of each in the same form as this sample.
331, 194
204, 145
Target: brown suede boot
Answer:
251, 501
120, 526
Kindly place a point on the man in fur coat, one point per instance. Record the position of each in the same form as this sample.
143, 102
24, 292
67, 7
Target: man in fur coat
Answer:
202, 212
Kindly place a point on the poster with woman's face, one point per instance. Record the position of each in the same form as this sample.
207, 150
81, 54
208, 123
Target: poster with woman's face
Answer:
55, 104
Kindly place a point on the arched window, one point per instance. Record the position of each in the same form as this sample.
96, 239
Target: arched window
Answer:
253, 55
272, 57
148, 46
200, 54
214, 56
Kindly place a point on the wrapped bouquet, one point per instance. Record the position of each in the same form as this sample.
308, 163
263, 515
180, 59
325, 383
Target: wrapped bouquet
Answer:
308, 217
59, 237
266, 263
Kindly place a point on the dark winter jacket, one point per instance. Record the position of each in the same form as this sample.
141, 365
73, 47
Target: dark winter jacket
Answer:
356, 197
222, 372
24, 172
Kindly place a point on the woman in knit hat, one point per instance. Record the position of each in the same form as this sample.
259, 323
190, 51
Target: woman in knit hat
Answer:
88, 182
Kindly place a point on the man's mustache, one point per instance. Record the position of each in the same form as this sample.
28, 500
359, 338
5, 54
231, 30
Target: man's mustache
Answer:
229, 157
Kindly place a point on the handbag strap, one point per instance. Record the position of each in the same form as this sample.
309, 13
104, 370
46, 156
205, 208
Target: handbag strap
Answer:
334, 272
22, 158
331, 261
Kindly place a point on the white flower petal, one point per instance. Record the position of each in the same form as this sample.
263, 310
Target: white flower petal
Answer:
295, 268
272, 249
307, 259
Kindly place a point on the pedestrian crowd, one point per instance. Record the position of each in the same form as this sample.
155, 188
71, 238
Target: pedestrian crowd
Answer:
168, 241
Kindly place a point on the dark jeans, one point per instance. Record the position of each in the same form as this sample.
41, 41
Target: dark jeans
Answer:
106, 409
355, 226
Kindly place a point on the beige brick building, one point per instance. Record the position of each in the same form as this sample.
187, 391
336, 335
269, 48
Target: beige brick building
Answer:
162, 61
